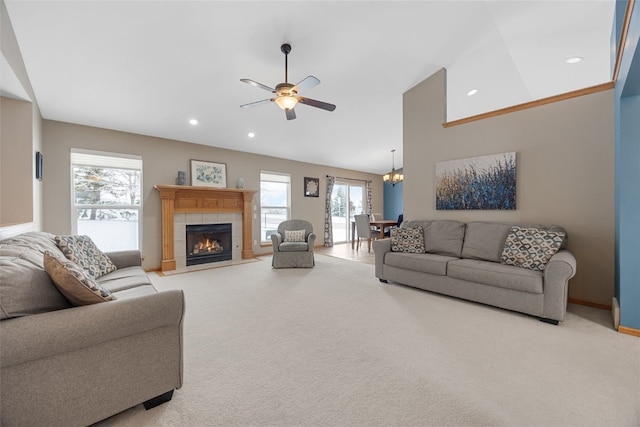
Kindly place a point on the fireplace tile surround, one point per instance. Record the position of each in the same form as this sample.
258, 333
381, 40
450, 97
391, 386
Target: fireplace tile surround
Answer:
182, 205
181, 220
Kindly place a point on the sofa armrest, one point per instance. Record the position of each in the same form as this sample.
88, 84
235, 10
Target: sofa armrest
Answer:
560, 268
123, 259
381, 247
47, 334
311, 240
276, 239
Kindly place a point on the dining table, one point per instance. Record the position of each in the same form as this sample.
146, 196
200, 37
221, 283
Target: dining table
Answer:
380, 223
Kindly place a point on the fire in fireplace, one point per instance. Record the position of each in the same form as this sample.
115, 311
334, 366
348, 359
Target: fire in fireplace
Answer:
208, 243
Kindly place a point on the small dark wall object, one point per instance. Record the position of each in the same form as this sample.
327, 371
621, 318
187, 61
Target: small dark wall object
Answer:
38, 165
311, 187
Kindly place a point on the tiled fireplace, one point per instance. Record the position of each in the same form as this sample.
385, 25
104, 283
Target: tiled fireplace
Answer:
207, 243
182, 247
184, 205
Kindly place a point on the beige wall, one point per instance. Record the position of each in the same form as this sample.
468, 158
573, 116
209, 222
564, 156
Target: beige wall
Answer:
20, 138
37, 185
565, 171
16, 166
162, 159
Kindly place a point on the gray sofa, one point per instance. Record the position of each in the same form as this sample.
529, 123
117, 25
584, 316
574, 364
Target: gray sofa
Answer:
464, 261
74, 366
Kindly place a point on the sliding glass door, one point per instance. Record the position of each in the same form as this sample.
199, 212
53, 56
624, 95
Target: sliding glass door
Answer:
347, 200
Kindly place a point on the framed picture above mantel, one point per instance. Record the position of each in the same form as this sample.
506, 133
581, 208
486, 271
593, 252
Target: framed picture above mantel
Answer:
208, 174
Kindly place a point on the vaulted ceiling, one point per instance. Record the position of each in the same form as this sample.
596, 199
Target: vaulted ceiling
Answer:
149, 66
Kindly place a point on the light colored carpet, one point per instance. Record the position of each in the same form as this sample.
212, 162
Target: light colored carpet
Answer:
332, 346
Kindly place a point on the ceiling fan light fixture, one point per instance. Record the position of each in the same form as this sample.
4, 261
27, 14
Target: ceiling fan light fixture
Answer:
286, 102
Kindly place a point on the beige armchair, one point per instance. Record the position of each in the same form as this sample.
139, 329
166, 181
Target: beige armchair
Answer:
293, 244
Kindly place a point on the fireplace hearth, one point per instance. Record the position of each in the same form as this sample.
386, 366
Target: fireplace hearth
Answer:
208, 243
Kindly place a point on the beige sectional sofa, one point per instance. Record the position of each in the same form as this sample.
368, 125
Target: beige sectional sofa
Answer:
466, 261
74, 366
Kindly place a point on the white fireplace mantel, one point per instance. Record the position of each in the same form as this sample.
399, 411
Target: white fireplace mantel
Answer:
186, 199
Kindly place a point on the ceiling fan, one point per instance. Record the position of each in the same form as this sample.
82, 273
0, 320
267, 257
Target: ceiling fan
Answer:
287, 94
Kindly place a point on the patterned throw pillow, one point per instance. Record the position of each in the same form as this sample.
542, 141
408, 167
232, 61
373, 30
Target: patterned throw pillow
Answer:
85, 253
410, 239
294, 235
74, 282
531, 248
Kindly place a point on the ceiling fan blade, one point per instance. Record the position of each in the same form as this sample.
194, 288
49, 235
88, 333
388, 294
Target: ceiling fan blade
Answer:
256, 84
255, 104
306, 84
317, 104
291, 114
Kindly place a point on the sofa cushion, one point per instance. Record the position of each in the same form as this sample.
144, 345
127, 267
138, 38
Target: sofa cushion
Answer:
444, 237
424, 263
39, 241
135, 292
293, 247
25, 288
74, 282
494, 274
294, 235
409, 239
531, 248
123, 278
485, 240
82, 251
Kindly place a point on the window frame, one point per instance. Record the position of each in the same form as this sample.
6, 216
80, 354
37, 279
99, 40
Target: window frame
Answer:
287, 207
105, 154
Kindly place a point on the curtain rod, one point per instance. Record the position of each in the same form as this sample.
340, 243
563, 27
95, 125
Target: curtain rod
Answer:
352, 179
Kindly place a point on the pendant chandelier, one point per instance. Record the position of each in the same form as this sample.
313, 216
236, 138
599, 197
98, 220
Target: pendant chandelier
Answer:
393, 177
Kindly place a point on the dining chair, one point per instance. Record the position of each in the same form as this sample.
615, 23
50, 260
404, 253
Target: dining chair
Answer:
364, 230
387, 232
376, 216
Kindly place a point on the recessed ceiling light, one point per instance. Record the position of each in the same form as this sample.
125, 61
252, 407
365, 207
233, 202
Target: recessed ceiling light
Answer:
574, 59
472, 92
251, 134
193, 122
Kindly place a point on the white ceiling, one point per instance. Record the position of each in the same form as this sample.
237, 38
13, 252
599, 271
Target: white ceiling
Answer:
149, 66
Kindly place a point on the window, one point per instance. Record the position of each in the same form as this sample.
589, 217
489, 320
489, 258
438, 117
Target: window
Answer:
347, 200
106, 198
275, 202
